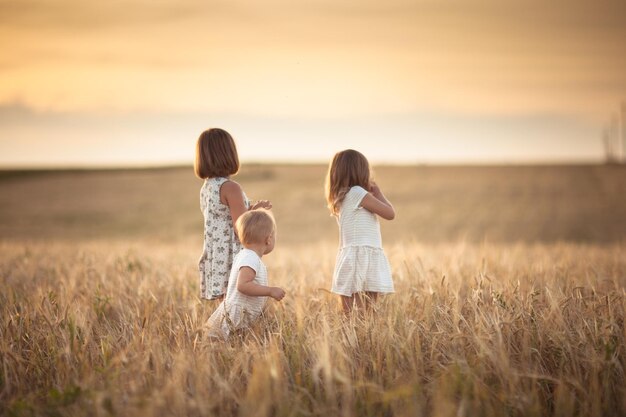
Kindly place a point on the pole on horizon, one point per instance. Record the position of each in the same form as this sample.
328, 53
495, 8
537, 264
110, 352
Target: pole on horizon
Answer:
608, 149
624, 132
614, 137
614, 134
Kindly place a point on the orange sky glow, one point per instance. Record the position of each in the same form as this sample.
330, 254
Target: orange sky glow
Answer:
134, 82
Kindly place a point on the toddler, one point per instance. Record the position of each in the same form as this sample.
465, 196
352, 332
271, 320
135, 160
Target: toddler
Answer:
247, 285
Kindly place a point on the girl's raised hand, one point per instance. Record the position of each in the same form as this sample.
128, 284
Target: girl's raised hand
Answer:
376, 202
265, 204
374, 188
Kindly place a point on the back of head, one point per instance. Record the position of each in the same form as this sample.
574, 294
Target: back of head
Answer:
254, 226
347, 169
216, 154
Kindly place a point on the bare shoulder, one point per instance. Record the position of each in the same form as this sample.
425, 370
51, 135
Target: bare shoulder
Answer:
230, 191
230, 186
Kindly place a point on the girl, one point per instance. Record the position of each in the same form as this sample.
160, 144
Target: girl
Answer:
222, 201
362, 270
247, 286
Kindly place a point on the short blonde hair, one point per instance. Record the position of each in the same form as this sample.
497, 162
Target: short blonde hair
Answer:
216, 154
255, 226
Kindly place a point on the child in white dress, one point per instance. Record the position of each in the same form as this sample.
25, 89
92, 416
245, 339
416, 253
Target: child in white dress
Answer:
222, 201
247, 285
362, 270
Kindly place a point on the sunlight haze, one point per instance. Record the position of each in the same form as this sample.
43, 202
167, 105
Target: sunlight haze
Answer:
135, 82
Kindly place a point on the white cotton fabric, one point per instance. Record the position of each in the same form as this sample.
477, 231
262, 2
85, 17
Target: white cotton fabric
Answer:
238, 310
361, 263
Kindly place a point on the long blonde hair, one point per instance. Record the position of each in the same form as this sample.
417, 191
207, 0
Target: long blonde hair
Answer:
347, 169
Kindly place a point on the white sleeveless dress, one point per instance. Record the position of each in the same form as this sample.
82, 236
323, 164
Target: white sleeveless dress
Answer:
361, 263
238, 310
220, 242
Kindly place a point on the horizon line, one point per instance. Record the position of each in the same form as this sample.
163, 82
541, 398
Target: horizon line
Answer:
177, 165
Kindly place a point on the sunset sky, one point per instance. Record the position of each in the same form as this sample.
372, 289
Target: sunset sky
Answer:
134, 82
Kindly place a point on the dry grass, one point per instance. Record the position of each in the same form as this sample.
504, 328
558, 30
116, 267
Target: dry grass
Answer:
433, 204
510, 330
483, 323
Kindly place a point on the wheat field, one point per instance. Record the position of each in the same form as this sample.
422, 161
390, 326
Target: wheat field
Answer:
510, 296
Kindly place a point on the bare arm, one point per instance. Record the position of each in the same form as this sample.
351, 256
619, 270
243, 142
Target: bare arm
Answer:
247, 286
232, 195
376, 202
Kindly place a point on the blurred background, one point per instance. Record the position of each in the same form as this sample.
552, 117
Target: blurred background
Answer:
117, 83
484, 119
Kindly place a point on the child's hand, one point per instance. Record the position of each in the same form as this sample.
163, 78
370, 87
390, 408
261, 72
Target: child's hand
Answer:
374, 188
277, 293
266, 204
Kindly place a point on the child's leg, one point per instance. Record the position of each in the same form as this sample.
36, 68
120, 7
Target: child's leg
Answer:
371, 296
365, 299
360, 300
346, 303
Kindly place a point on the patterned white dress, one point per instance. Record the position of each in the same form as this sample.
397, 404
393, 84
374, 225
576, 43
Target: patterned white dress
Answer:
220, 242
361, 263
238, 310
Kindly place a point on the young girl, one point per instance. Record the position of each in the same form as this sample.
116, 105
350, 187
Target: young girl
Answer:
222, 201
247, 285
362, 270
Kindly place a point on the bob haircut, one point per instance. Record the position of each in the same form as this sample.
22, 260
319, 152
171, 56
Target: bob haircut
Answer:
255, 226
347, 169
216, 154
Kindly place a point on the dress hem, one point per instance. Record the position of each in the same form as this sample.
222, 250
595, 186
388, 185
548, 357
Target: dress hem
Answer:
364, 290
